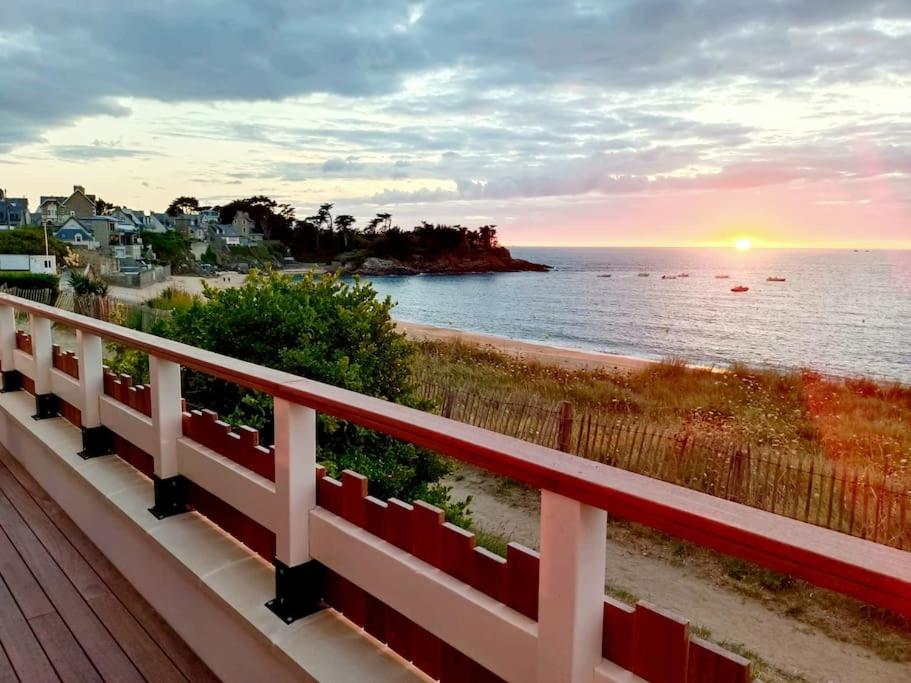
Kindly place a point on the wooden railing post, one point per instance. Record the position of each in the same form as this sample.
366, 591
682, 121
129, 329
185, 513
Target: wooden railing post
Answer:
297, 576
96, 439
170, 487
12, 378
46, 403
570, 589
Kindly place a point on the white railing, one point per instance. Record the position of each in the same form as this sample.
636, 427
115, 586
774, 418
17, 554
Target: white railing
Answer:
355, 537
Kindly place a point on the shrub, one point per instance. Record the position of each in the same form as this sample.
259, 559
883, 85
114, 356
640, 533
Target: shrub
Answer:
85, 285
173, 248
24, 280
322, 329
31, 241
172, 299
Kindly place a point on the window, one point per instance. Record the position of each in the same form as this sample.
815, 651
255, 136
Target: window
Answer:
77, 238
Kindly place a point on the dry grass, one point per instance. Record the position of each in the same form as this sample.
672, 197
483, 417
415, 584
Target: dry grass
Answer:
854, 421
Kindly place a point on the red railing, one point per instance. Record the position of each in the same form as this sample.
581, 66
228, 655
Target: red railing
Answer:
864, 570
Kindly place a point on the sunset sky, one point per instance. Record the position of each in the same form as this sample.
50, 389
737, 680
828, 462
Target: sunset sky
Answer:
588, 122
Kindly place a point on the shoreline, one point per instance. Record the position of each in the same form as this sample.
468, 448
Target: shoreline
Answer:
568, 359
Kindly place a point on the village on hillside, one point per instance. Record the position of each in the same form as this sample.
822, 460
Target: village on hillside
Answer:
134, 248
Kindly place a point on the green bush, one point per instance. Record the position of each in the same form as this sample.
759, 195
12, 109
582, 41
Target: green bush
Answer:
31, 241
172, 299
322, 329
173, 248
24, 280
84, 285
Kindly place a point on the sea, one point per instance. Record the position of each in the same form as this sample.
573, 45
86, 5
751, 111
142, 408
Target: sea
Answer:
839, 312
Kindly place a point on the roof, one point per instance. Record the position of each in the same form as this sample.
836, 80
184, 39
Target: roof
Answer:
68, 233
227, 230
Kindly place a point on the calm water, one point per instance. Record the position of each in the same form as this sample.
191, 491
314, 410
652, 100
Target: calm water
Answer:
841, 312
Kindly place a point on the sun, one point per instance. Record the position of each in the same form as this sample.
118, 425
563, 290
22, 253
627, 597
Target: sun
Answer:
743, 244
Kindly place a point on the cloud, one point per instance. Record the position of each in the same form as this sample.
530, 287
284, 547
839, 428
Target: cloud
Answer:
96, 151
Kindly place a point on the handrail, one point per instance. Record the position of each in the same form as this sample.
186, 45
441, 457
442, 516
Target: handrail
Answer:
871, 572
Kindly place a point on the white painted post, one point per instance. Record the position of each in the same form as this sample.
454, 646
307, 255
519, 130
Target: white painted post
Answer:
570, 589
295, 480
42, 353
166, 418
91, 377
7, 337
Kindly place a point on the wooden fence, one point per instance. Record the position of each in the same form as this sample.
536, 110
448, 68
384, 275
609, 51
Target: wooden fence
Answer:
863, 502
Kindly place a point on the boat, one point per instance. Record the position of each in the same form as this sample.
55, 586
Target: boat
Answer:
643, 274
683, 274
740, 288
722, 277
668, 277
604, 275
776, 279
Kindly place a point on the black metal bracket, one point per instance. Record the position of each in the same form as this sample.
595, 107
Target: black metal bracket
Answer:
298, 590
96, 441
46, 406
171, 496
12, 381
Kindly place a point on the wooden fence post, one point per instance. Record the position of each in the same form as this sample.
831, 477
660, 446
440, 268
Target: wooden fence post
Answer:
565, 432
570, 589
46, 403
298, 584
170, 487
96, 439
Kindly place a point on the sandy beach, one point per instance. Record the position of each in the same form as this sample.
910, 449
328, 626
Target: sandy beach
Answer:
542, 353
570, 359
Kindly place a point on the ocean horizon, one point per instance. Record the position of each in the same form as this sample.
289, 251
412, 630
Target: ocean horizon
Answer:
839, 311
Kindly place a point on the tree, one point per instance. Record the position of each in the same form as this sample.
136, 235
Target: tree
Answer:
182, 205
386, 220
325, 216
102, 207
323, 329
275, 221
343, 223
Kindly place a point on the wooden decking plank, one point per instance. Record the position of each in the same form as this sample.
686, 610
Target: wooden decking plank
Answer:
186, 661
98, 644
70, 562
19, 580
20, 644
61, 648
143, 652
7, 674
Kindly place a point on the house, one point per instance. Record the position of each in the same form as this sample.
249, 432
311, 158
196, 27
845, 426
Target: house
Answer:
108, 234
229, 234
56, 209
209, 215
75, 234
165, 220
13, 211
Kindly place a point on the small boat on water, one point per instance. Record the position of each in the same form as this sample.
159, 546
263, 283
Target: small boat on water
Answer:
683, 274
722, 277
776, 279
643, 274
604, 275
668, 277
740, 288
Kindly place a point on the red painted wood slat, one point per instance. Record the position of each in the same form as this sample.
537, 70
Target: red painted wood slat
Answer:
709, 663
489, 573
522, 568
617, 635
655, 631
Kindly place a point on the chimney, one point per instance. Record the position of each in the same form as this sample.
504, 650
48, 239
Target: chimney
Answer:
78, 188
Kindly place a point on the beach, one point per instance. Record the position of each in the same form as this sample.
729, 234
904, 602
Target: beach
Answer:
570, 359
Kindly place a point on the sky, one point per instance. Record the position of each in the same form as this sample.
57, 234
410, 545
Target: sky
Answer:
593, 122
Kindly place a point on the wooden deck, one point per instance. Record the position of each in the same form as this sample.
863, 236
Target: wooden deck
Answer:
66, 614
